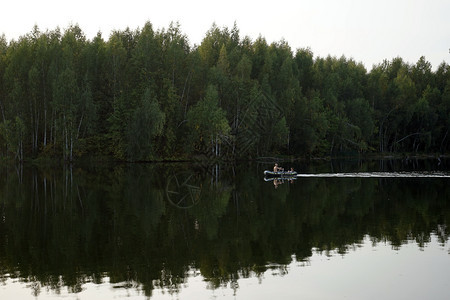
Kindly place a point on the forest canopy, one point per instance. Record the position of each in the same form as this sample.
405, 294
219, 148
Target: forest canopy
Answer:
147, 94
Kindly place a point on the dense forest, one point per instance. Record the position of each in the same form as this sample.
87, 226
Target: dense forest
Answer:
149, 94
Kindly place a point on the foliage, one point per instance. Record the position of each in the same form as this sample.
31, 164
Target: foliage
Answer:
146, 123
80, 97
207, 124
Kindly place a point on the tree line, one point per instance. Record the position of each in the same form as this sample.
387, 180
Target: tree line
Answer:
148, 94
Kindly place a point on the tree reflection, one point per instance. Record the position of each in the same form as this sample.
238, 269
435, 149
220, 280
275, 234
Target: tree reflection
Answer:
64, 227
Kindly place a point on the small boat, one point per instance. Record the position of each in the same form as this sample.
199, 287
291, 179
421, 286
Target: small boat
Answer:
280, 174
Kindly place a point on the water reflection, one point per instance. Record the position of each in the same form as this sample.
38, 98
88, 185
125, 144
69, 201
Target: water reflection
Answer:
147, 227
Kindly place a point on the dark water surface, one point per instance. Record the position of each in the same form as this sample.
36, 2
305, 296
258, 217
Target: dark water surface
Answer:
185, 231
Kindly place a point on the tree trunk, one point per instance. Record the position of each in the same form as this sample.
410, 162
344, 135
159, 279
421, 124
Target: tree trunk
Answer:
66, 142
45, 105
79, 125
442, 143
45, 126
71, 147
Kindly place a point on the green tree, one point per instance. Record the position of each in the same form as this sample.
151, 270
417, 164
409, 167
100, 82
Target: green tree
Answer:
208, 124
422, 76
119, 116
13, 133
173, 88
96, 93
147, 122
360, 114
264, 120
66, 101
309, 126
3, 50
424, 125
444, 114
305, 63
117, 58
212, 43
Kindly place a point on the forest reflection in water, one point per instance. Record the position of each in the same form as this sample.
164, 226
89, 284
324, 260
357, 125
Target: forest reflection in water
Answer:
150, 227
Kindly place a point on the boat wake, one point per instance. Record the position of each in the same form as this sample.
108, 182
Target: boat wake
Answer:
381, 175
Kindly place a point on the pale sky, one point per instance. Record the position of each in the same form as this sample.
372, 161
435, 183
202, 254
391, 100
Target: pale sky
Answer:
368, 31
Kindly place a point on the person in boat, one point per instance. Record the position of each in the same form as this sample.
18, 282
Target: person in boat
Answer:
292, 172
276, 168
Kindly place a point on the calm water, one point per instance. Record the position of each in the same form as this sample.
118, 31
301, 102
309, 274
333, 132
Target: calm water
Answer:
378, 230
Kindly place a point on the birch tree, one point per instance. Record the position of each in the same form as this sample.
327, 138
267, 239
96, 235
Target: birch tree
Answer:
208, 124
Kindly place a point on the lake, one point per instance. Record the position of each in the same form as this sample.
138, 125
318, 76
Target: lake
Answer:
346, 229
